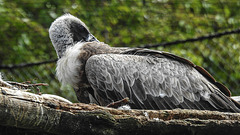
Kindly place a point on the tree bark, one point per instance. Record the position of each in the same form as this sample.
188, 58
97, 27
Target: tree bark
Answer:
27, 113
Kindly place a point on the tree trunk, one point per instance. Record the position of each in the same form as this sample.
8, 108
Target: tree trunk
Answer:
26, 113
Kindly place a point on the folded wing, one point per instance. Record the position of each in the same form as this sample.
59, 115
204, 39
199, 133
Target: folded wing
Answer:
153, 82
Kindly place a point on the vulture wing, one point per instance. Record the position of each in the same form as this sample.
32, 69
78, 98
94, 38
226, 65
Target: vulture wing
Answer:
155, 80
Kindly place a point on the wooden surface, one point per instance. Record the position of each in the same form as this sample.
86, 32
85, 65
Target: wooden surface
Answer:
26, 113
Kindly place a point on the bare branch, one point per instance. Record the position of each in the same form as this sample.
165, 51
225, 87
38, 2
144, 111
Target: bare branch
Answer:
22, 65
204, 37
33, 112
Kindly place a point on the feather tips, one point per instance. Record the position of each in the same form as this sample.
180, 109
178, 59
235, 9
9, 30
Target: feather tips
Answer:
152, 82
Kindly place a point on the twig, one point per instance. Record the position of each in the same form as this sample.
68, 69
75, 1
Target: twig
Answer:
27, 85
5, 84
22, 65
210, 36
119, 103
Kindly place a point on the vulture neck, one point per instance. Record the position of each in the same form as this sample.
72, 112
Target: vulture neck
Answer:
71, 66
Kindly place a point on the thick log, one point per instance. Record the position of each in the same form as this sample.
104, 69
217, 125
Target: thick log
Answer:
27, 113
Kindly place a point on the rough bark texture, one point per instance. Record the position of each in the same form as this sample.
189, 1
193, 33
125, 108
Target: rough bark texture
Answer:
27, 113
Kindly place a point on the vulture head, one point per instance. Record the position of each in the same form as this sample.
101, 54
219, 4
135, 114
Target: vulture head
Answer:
68, 34
68, 30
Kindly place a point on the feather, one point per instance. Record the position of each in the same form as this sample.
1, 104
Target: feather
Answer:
156, 87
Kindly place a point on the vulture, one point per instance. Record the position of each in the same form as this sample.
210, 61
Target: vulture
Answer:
151, 79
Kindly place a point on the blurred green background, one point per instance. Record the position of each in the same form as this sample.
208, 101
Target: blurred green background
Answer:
24, 33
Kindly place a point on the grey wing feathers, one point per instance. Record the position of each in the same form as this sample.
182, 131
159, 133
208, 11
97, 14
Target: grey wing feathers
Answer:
153, 83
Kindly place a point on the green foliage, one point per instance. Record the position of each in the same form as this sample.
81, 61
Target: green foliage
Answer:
24, 29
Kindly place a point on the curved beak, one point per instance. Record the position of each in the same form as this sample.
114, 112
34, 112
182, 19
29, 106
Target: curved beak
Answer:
91, 38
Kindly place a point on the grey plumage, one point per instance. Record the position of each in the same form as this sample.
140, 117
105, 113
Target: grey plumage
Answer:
63, 31
151, 79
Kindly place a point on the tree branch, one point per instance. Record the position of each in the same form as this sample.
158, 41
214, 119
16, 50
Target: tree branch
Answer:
201, 38
22, 65
51, 115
